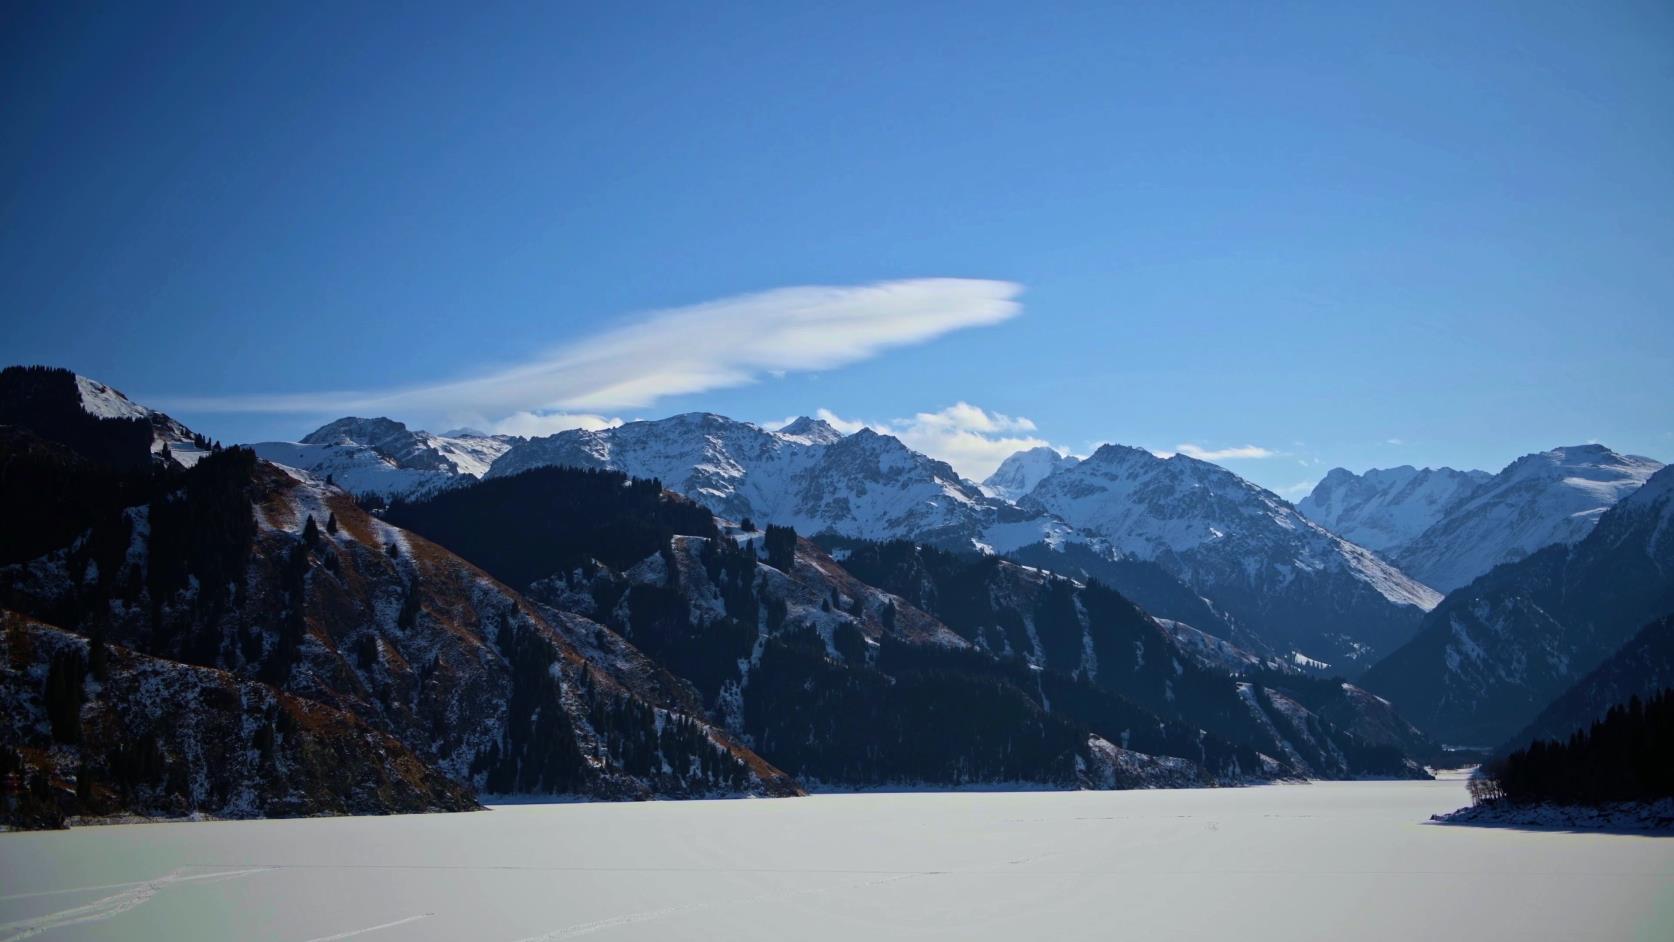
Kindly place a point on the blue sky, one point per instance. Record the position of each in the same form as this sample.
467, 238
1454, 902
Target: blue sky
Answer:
1362, 237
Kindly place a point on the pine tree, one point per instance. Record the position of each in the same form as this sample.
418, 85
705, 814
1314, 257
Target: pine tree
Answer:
331, 524
311, 532
65, 694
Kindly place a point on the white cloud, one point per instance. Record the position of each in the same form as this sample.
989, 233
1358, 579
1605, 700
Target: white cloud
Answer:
717, 344
1394, 441
1294, 492
534, 425
1220, 454
971, 439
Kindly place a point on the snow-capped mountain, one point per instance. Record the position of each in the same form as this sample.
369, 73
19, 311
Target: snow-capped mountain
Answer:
1549, 497
1281, 575
1386, 508
81, 412
383, 456
1018, 474
806, 475
1497, 651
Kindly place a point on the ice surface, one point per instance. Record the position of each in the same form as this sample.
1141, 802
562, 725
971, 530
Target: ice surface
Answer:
1189, 864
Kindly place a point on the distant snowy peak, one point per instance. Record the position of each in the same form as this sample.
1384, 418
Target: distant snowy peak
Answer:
806, 475
1241, 546
1018, 474
385, 457
1549, 497
1386, 508
811, 431
461, 452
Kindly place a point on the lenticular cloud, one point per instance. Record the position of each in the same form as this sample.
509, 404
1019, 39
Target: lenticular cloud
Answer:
713, 345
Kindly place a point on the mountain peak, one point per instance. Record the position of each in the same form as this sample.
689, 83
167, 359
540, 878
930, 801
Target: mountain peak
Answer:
811, 430
361, 431
1385, 508
1553, 496
1018, 474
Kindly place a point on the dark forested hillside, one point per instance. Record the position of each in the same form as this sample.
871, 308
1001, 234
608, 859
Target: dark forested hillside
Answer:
546, 520
48, 401
1641, 668
107, 731
1093, 633
1626, 756
236, 565
841, 683
1493, 654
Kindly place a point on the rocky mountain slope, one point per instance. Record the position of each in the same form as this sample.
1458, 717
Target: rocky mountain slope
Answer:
1386, 508
1277, 573
93, 730
383, 457
1100, 637
1641, 668
1494, 653
831, 669
281, 580
1555, 496
807, 476
1018, 474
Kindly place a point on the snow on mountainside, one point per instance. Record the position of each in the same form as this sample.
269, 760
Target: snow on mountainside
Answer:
806, 475
1243, 547
382, 456
1497, 651
87, 415
1385, 508
103, 402
1549, 497
1019, 474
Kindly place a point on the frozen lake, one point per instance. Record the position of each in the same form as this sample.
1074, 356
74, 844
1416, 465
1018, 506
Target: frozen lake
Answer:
1279, 862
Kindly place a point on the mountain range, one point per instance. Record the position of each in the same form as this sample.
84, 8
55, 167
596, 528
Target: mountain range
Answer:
383, 457
1495, 652
1447, 527
700, 606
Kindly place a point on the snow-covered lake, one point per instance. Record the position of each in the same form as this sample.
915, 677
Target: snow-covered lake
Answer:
1350, 860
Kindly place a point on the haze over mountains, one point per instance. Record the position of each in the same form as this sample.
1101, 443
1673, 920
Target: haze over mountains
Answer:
524, 616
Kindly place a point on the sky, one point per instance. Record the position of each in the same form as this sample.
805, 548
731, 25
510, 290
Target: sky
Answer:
1285, 237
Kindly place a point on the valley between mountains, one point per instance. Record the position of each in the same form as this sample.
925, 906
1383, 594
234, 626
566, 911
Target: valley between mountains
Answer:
377, 619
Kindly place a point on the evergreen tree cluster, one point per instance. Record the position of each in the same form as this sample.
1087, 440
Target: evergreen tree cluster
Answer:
981, 600
779, 543
1626, 756
538, 751
47, 400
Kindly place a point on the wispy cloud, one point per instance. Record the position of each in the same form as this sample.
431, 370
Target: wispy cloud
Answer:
1394, 441
707, 346
1297, 491
534, 425
970, 438
1220, 454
